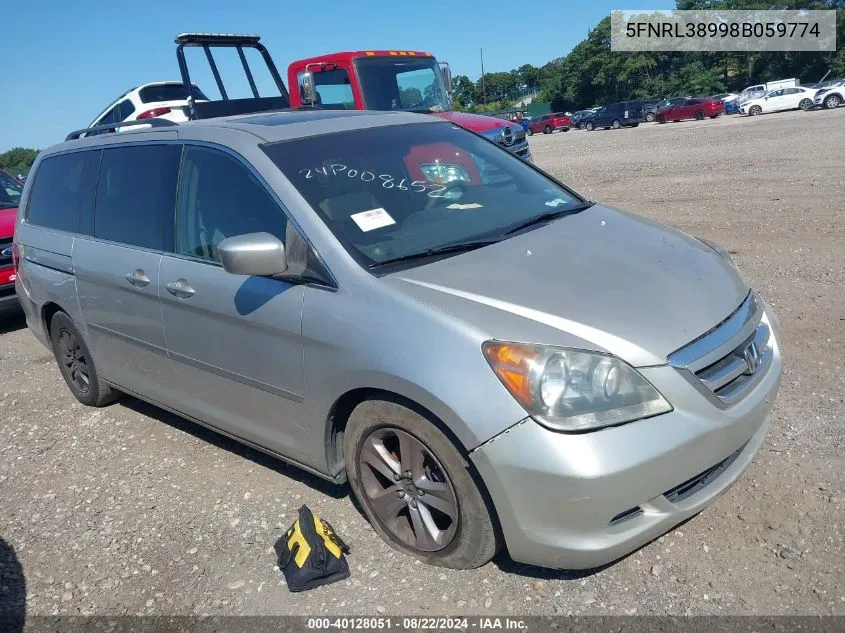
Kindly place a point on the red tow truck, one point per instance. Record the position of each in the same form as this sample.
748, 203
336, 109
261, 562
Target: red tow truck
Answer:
412, 81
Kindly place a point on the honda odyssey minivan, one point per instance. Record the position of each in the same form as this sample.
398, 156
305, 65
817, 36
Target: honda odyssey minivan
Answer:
488, 358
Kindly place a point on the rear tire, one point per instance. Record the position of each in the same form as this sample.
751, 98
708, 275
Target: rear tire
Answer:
699, 116
548, 130
616, 124
661, 119
589, 127
76, 364
649, 116
529, 132
832, 101
806, 105
389, 449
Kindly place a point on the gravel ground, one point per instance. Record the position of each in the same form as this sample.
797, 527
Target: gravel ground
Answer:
130, 510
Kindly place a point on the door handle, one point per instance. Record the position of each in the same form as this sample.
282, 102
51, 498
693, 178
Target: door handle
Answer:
137, 278
180, 288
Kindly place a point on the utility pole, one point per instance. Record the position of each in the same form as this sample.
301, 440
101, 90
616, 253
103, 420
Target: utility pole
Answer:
483, 87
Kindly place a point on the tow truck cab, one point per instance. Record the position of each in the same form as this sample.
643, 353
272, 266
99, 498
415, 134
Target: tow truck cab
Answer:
392, 80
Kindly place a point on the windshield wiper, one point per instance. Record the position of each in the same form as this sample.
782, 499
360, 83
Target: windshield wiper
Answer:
455, 247
547, 217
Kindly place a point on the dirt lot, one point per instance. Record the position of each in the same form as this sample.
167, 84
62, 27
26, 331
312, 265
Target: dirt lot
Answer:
131, 510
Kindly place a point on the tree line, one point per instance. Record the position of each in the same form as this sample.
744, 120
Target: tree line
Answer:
18, 160
591, 74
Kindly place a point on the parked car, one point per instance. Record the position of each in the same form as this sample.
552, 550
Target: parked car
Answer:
576, 121
831, 96
724, 97
731, 107
162, 99
758, 90
615, 115
337, 290
782, 99
10, 196
679, 110
548, 123
650, 107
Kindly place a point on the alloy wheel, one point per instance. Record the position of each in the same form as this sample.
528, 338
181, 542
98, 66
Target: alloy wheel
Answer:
755, 110
408, 490
73, 361
805, 105
831, 102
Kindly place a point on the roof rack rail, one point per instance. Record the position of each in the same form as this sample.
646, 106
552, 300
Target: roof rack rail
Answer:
113, 126
227, 106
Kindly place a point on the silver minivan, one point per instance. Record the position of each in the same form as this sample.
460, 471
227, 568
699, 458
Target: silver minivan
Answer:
488, 358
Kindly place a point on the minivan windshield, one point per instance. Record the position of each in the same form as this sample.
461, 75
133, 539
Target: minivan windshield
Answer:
410, 192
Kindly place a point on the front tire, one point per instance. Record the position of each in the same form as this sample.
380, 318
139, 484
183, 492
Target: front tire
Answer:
661, 119
616, 124
415, 488
76, 363
649, 116
699, 116
548, 130
832, 101
806, 105
529, 132
589, 127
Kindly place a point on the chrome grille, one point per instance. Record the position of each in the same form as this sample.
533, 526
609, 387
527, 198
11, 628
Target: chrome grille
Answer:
726, 362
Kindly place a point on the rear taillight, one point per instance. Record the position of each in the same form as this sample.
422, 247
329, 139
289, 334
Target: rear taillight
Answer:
15, 256
149, 114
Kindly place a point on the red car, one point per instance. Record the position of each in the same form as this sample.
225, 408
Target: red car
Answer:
10, 194
680, 109
548, 123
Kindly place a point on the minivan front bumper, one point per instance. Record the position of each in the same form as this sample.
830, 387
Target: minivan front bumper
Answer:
578, 501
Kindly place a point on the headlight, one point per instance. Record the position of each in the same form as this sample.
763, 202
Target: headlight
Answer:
573, 390
442, 173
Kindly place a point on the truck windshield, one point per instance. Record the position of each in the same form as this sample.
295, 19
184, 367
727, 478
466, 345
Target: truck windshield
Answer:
395, 195
413, 84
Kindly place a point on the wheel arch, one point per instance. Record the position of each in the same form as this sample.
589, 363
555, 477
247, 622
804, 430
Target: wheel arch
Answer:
338, 418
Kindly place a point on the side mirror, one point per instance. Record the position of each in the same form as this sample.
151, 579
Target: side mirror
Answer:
260, 254
447, 76
307, 90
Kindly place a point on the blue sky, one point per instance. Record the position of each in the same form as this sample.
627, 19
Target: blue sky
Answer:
65, 61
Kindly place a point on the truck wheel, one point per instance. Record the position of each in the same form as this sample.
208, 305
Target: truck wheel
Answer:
616, 124
548, 130
589, 127
415, 488
832, 101
77, 365
649, 116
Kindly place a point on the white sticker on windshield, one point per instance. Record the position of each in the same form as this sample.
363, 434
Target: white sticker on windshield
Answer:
471, 205
372, 219
556, 202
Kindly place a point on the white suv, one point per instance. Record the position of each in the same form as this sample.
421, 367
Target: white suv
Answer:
162, 99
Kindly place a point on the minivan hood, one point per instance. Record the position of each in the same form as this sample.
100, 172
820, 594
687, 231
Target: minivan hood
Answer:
627, 285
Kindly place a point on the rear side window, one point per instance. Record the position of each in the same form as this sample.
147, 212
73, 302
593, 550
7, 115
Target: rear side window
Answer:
136, 195
168, 92
63, 190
